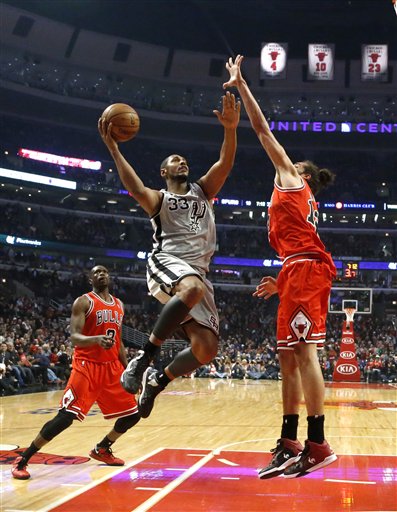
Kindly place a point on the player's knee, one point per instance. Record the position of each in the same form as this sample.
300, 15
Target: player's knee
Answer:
192, 290
54, 427
207, 357
287, 360
306, 353
206, 350
123, 424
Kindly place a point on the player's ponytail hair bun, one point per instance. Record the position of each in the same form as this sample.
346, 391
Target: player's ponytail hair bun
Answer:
319, 178
326, 177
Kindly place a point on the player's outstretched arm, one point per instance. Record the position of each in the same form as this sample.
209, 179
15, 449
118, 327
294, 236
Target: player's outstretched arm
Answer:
229, 118
148, 198
273, 148
266, 288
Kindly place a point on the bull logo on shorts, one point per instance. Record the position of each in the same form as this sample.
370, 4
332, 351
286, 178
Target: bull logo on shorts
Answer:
301, 325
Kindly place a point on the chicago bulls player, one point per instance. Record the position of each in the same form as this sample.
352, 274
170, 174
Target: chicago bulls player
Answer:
98, 363
303, 285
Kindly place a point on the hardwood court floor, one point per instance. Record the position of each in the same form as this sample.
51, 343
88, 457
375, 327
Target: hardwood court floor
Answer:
199, 452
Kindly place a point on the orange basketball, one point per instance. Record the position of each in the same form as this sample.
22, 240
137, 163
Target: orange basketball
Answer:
125, 121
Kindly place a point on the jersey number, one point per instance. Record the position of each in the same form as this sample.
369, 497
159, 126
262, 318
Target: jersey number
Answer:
175, 203
313, 214
111, 333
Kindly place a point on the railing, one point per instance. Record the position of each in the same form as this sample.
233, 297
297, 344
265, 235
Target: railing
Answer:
133, 337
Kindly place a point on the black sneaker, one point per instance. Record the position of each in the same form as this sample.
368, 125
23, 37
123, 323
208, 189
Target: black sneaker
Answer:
131, 377
150, 389
284, 454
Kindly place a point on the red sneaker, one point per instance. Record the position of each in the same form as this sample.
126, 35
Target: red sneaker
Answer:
106, 455
19, 469
314, 456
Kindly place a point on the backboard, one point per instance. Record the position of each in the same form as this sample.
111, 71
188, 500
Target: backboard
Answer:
339, 297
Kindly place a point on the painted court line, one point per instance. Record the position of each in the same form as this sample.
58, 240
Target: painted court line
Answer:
228, 462
153, 500
85, 488
148, 488
16, 509
349, 481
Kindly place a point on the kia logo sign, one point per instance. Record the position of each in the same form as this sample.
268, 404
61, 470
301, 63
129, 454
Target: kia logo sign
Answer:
346, 369
348, 341
347, 354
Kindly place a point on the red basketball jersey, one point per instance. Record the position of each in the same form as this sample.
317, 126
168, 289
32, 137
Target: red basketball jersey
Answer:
292, 224
102, 318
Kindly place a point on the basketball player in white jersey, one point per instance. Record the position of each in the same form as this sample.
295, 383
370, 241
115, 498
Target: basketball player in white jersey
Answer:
184, 242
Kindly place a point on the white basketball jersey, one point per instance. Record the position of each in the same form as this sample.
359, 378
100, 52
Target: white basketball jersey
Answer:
185, 227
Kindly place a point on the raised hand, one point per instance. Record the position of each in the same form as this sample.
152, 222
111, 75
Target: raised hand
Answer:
266, 288
105, 132
234, 69
230, 115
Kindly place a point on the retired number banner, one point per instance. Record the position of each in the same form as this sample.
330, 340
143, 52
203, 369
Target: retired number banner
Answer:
321, 61
374, 62
274, 60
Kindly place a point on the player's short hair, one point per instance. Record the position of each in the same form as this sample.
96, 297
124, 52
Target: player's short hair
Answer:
164, 163
95, 266
320, 178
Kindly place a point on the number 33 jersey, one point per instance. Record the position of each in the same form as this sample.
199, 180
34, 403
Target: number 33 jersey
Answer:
185, 227
102, 318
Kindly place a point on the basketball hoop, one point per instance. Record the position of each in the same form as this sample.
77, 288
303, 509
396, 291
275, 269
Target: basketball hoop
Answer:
349, 307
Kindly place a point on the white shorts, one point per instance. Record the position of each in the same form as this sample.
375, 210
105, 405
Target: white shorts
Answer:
164, 271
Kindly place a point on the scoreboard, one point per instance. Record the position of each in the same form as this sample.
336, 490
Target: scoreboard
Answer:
350, 270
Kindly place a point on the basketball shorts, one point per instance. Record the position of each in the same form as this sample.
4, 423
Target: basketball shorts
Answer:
303, 287
92, 382
164, 271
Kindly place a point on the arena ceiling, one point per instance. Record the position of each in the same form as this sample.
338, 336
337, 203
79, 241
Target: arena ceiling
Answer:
232, 26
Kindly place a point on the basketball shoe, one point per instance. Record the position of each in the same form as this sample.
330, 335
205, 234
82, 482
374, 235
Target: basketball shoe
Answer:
284, 454
314, 456
150, 389
131, 377
19, 469
105, 455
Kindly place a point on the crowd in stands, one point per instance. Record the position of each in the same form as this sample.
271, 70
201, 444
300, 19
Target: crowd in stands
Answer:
136, 235
60, 275
35, 347
39, 73
251, 178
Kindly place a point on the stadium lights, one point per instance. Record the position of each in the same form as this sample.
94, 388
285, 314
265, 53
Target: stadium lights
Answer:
37, 178
68, 161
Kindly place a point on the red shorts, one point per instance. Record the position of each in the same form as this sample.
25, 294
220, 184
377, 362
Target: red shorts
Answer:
303, 287
92, 382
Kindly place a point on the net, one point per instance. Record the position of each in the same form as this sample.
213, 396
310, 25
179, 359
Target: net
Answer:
349, 312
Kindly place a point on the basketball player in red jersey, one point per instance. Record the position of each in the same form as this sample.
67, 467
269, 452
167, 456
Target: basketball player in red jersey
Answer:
98, 362
303, 285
